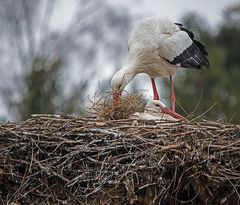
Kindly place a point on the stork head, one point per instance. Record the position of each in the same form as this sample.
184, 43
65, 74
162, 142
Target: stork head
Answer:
119, 81
157, 107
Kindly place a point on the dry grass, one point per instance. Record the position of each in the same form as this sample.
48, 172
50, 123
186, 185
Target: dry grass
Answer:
104, 108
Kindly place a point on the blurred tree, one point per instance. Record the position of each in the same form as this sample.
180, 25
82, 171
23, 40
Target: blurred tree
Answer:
49, 69
196, 92
42, 88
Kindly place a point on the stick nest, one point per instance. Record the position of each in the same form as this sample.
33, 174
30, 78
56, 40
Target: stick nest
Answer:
104, 108
66, 160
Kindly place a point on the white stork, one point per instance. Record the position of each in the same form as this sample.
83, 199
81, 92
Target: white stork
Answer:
156, 110
157, 47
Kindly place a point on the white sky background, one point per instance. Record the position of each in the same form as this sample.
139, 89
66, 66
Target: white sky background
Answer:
212, 10
174, 9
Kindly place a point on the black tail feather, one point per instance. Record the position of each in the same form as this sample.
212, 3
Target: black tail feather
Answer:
195, 55
200, 46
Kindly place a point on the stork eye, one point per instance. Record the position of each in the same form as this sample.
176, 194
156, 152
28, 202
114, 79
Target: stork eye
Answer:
158, 105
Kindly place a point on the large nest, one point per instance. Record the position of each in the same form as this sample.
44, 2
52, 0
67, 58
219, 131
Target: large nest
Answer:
67, 160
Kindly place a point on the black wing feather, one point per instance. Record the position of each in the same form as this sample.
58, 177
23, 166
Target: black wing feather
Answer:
194, 56
201, 47
179, 24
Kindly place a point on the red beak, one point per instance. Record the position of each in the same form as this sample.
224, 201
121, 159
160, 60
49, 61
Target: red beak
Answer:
172, 113
116, 97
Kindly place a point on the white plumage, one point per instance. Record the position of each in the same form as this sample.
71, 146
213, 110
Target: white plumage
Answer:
154, 110
157, 47
152, 40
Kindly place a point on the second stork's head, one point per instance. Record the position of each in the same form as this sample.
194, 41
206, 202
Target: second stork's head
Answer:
156, 107
120, 80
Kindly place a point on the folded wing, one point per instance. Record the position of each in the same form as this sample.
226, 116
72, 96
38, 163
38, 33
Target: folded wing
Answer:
180, 48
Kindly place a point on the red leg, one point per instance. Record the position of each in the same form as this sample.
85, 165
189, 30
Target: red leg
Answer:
155, 92
172, 94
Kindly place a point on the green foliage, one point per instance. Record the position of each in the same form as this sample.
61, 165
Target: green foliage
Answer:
42, 88
44, 91
220, 83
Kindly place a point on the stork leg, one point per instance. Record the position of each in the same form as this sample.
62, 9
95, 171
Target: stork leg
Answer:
155, 91
172, 94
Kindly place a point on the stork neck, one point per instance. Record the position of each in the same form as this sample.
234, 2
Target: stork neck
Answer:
127, 73
128, 68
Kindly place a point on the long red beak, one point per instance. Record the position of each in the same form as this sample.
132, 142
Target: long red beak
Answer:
172, 113
116, 97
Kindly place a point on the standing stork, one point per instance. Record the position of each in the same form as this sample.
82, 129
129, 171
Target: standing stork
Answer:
157, 47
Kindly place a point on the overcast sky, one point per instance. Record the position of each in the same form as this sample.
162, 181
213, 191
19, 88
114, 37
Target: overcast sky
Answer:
212, 10
174, 9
